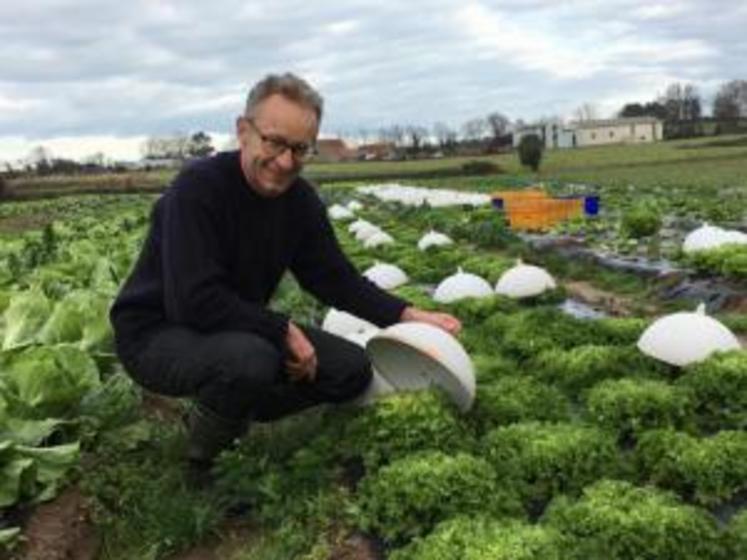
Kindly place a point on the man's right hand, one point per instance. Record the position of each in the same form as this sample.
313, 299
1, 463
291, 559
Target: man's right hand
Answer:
302, 363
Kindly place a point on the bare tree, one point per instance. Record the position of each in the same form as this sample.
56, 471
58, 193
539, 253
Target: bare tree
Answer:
475, 129
39, 155
586, 112
498, 124
731, 100
682, 102
445, 136
416, 136
394, 133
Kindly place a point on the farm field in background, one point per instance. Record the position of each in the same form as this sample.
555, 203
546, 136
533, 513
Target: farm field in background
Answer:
578, 445
720, 161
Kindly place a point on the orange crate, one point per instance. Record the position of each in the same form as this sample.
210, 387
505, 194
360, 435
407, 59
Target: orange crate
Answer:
541, 214
513, 196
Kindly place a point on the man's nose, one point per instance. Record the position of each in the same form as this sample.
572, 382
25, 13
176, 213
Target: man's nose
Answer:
286, 160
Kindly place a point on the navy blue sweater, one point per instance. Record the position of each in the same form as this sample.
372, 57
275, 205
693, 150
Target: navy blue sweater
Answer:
216, 251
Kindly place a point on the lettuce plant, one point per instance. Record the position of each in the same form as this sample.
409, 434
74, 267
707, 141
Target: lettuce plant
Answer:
478, 538
618, 521
408, 497
517, 399
402, 423
708, 471
582, 367
629, 406
718, 387
545, 459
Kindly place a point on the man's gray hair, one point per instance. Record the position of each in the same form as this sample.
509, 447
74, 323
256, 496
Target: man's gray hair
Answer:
289, 86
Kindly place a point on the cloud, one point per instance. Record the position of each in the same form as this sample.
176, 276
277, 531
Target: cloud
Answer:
98, 68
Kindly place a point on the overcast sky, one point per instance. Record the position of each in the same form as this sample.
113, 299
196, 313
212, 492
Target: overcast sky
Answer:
86, 75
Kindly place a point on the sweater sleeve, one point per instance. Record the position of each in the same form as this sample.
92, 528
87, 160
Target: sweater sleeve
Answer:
322, 268
197, 292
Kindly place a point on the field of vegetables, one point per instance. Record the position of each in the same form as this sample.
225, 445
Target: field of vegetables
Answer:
578, 445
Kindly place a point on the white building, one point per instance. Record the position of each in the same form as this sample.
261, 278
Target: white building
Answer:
626, 130
629, 130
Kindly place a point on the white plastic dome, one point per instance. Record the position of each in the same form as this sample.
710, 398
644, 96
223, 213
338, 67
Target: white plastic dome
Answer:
413, 355
362, 337
337, 212
433, 239
377, 239
524, 280
710, 237
366, 231
358, 224
734, 236
685, 337
343, 323
379, 387
386, 276
703, 238
462, 285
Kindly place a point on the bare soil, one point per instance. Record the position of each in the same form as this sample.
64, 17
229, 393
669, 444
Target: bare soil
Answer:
60, 530
234, 537
24, 222
610, 302
358, 546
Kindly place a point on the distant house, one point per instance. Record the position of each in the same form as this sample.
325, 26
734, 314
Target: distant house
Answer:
333, 150
377, 151
553, 133
628, 130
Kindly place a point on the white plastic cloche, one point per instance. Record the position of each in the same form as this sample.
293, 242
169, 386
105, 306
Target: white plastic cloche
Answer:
433, 239
686, 337
462, 285
358, 224
377, 239
343, 323
367, 230
412, 355
386, 276
524, 280
354, 206
337, 212
710, 237
379, 387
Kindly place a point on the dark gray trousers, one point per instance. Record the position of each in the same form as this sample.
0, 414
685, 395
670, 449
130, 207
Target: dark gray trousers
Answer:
239, 375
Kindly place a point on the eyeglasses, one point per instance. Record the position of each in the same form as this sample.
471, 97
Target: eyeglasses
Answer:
276, 145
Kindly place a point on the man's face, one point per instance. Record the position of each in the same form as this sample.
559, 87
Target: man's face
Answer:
271, 141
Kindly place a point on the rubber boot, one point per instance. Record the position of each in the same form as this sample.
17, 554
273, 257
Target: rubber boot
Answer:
208, 435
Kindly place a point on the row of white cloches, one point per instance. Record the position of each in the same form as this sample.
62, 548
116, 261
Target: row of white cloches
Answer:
418, 196
711, 237
519, 281
344, 212
372, 235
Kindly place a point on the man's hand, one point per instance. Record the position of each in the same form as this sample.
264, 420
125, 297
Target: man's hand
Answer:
302, 363
444, 321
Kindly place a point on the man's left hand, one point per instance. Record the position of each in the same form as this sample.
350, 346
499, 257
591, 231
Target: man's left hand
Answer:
444, 321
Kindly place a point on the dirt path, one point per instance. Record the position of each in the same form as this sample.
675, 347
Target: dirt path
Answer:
234, 537
60, 530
